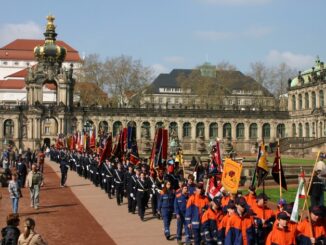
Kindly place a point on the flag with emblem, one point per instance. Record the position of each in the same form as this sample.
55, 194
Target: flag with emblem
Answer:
262, 167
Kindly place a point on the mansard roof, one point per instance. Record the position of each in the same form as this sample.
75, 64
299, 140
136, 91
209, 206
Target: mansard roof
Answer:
23, 49
229, 79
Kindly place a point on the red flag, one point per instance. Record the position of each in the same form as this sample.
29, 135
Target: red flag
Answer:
164, 145
152, 158
92, 140
277, 167
214, 188
107, 150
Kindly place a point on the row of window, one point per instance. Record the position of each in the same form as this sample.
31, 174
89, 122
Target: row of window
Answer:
16, 63
200, 129
303, 100
309, 131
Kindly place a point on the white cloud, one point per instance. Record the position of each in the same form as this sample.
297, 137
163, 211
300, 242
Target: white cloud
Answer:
174, 60
28, 30
235, 2
214, 35
158, 69
298, 61
252, 32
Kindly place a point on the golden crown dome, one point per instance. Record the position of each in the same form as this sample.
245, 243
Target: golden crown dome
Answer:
50, 52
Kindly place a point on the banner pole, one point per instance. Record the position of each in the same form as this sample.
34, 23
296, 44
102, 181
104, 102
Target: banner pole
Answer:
279, 167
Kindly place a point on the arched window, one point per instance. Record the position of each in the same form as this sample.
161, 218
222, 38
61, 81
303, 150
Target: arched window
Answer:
321, 129
300, 130
266, 131
300, 101
293, 103
294, 130
314, 103
186, 129
88, 125
74, 125
200, 129
103, 127
146, 130
280, 130
159, 125
240, 131
306, 101
8, 128
213, 130
227, 132
173, 129
307, 130
253, 131
117, 126
321, 98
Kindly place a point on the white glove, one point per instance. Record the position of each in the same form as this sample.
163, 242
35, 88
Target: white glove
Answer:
131, 194
150, 195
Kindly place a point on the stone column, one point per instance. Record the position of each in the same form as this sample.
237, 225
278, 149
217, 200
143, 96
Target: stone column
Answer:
246, 130
138, 129
220, 130
259, 131
206, 130
152, 128
193, 130
233, 130
273, 133
1, 127
180, 129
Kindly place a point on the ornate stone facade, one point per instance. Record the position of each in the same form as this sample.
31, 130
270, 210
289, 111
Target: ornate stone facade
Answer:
32, 125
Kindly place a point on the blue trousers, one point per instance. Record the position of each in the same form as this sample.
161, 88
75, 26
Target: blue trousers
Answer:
14, 202
167, 217
197, 235
180, 224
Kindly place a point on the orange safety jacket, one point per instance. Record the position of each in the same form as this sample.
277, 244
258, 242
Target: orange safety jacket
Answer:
251, 200
240, 230
196, 205
280, 236
304, 232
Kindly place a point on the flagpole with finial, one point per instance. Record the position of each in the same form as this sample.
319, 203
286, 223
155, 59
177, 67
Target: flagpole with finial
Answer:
309, 186
279, 166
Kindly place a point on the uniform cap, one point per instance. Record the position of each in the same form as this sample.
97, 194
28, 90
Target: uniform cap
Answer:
262, 196
317, 210
241, 201
281, 202
231, 205
283, 215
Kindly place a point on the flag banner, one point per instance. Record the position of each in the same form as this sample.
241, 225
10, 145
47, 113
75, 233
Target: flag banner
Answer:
277, 167
106, 153
217, 156
158, 148
231, 175
164, 145
131, 136
253, 180
152, 157
133, 153
92, 140
124, 141
179, 157
295, 211
262, 167
214, 187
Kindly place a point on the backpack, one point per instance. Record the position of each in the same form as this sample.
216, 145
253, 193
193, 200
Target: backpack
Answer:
10, 236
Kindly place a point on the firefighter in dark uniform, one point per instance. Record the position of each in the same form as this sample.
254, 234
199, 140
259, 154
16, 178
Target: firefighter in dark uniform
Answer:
118, 180
133, 189
142, 186
152, 192
159, 182
127, 185
109, 177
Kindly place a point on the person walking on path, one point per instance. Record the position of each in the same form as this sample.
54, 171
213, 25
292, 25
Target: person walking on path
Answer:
34, 181
30, 237
14, 192
21, 172
10, 233
40, 160
64, 169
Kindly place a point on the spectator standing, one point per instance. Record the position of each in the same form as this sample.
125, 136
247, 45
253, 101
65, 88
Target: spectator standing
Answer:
22, 172
10, 233
40, 160
64, 169
34, 181
14, 192
29, 236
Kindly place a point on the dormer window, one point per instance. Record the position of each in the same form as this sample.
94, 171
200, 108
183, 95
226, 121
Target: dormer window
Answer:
5, 63
16, 63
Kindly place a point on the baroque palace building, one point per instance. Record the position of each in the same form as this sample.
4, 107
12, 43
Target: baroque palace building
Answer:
246, 114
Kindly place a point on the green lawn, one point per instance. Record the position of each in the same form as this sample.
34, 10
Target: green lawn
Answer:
298, 161
289, 195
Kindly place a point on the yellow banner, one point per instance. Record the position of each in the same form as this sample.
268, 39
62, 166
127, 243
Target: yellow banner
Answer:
262, 163
231, 175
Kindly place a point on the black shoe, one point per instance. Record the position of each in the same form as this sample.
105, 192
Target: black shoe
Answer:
142, 219
167, 237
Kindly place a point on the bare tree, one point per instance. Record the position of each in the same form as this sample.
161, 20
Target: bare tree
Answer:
92, 70
225, 66
125, 77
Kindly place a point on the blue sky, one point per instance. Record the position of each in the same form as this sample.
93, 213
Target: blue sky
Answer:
167, 34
